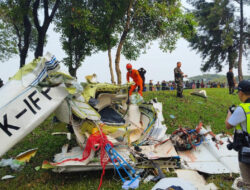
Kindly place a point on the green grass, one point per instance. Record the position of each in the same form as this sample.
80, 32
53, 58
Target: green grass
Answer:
188, 111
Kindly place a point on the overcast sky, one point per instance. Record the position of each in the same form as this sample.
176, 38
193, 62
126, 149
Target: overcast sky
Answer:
159, 65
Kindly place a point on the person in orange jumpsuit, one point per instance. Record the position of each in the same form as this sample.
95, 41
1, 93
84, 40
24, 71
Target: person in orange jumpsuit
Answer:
134, 74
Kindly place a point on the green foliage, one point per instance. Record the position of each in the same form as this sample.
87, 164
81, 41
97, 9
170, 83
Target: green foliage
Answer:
18, 34
217, 37
8, 42
152, 20
74, 21
107, 16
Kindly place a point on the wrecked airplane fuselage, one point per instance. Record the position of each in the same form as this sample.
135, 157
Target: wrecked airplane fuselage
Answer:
136, 129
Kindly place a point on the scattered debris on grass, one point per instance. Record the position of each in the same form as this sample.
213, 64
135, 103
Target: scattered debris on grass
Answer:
7, 177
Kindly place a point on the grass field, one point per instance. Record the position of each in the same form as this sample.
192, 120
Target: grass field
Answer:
188, 111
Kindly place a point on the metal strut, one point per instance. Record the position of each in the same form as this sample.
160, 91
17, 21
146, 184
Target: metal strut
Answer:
117, 158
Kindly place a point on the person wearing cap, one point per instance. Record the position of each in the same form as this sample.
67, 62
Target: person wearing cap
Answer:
179, 75
134, 74
240, 120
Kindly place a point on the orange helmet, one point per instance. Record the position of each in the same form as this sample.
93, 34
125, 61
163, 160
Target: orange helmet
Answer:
129, 66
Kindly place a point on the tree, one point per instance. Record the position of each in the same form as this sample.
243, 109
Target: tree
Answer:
19, 29
108, 14
243, 36
74, 21
218, 37
8, 42
42, 29
147, 20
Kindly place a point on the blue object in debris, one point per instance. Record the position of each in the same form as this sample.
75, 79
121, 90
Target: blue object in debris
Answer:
114, 156
172, 116
133, 185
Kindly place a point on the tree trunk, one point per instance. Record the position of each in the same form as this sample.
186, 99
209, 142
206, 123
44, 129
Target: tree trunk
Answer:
231, 57
42, 30
27, 32
110, 66
122, 40
40, 43
240, 75
23, 49
72, 71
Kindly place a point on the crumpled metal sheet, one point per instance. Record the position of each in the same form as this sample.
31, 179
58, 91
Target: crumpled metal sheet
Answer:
209, 159
87, 165
164, 150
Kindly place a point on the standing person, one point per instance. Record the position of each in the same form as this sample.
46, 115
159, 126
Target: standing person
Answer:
142, 72
179, 75
151, 85
134, 74
231, 80
163, 85
240, 120
1, 82
198, 84
158, 86
202, 84
193, 85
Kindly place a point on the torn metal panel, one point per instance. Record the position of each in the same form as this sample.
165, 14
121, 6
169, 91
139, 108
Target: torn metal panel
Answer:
211, 158
83, 110
201, 93
92, 90
153, 152
63, 112
25, 112
27, 155
24, 106
87, 165
196, 179
75, 152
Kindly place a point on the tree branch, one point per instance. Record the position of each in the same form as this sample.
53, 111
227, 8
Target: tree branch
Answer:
35, 14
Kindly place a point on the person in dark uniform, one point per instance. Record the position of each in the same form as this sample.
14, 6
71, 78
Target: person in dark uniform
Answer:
198, 84
1, 82
142, 72
179, 75
151, 85
231, 80
163, 85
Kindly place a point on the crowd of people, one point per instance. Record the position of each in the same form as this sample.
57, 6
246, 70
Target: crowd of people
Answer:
171, 85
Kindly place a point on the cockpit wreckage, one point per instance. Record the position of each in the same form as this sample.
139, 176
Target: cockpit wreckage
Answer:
111, 129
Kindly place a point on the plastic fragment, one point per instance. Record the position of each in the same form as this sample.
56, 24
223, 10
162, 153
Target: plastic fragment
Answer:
14, 164
27, 155
148, 178
7, 177
135, 184
172, 116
